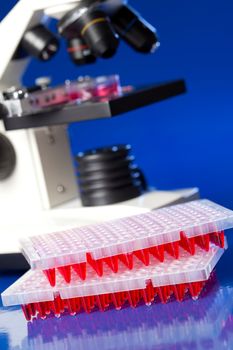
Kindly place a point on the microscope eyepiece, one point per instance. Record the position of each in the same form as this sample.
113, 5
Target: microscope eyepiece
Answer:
40, 42
135, 30
94, 27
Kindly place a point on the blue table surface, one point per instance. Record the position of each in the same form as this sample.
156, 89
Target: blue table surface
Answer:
203, 324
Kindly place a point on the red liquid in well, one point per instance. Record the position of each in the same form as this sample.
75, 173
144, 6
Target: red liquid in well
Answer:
117, 300
145, 256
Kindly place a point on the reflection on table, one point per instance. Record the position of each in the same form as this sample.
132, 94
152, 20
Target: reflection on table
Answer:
203, 324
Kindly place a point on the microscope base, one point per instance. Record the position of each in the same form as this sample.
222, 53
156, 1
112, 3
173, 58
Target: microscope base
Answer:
73, 214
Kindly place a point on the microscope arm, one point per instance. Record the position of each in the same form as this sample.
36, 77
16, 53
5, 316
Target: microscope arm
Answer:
43, 176
13, 27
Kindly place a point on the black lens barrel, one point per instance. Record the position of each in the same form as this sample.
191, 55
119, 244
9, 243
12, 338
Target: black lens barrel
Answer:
135, 30
80, 52
97, 31
108, 175
40, 43
94, 27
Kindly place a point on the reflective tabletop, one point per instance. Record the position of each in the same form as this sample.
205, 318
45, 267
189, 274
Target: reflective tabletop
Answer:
203, 324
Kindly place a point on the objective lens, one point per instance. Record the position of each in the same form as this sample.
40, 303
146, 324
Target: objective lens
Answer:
94, 27
40, 42
80, 52
97, 31
135, 30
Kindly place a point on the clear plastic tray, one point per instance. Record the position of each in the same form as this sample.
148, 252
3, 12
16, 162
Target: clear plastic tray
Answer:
126, 235
33, 287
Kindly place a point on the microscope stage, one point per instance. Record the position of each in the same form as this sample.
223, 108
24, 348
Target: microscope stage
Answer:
74, 112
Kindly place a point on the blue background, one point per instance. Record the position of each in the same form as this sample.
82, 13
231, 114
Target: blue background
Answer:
186, 141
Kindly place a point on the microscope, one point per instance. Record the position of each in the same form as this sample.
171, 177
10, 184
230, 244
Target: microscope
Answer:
37, 172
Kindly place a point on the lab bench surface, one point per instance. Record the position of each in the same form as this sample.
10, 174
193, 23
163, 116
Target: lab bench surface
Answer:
203, 324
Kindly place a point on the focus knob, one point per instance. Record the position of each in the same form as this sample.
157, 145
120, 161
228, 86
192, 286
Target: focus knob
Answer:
7, 157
